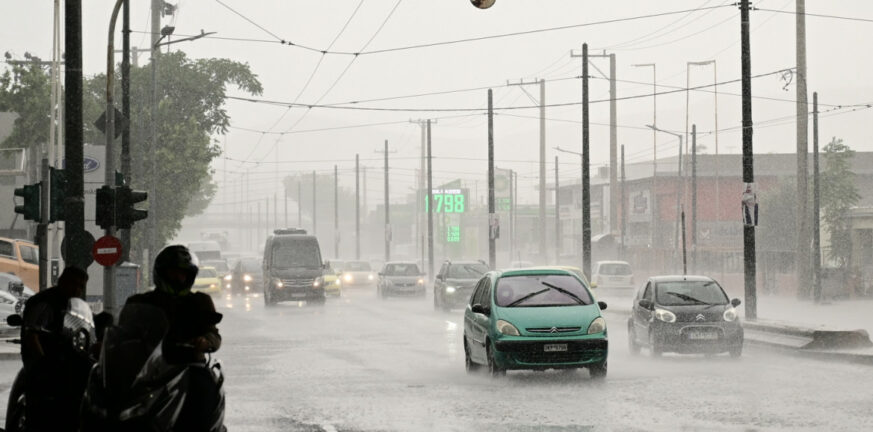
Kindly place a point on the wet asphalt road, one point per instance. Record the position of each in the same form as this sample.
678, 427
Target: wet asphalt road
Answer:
360, 363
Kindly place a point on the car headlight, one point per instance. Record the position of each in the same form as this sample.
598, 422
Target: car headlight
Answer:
730, 314
338, 282
228, 277
421, 281
665, 315
450, 290
597, 326
279, 284
317, 282
504, 327
247, 278
348, 278
211, 285
370, 276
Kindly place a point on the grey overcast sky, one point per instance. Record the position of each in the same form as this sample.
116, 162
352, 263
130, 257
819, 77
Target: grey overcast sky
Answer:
838, 70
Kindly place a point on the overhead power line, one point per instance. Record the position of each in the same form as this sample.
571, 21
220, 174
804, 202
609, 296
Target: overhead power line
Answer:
818, 15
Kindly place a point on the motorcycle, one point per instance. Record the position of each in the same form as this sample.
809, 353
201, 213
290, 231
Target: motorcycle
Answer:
78, 330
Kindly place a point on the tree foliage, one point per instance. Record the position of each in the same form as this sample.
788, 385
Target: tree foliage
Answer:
838, 194
190, 111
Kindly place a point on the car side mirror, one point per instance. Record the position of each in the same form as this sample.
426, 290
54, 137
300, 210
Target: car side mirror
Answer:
593, 284
479, 309
735, 302
14, 320
439, 277
602, 305
646, 304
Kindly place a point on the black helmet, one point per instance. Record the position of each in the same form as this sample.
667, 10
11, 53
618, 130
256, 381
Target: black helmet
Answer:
174, 257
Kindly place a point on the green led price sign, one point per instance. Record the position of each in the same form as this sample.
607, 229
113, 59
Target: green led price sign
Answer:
453, 234
447, 201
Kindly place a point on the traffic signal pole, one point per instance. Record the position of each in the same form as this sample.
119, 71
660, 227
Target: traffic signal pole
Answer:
109, 177
76, 254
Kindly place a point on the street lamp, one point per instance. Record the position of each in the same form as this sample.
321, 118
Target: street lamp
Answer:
654, 194
715, 110
678, 174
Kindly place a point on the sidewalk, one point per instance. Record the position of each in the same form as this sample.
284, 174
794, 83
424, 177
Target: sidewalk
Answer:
831, 315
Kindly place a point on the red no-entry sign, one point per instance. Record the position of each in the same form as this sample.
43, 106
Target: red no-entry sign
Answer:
107, 250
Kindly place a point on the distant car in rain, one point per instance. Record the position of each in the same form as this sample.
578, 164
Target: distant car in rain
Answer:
613, 277
535, 318
333, 283
455, 282
207, 281
358, 273
223, 270
400, 278
684, 314
247, 276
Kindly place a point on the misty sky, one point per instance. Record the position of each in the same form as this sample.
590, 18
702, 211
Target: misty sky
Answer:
838, 70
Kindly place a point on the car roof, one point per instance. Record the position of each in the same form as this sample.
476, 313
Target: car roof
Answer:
678, 278
534, 271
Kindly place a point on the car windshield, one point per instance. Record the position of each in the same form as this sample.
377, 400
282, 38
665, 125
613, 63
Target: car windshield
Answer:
357, 266
681, 293
207, 273
401, 270
541, 290
615, 269
286, 256
467, 271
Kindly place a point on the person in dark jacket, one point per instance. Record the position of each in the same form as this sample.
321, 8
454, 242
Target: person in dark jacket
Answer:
55, 375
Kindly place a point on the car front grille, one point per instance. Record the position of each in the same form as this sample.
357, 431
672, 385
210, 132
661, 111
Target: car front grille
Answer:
298, 283
554, 357
553, 329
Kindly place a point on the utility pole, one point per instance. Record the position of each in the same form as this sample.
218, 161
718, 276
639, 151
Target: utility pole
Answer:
336, 238
802, 109
125, 110
357, 207
653, 196
748, 163
492, 214
387, 210
286, 204
816, 206
77, 243
430, 260
314, 202
623, 205
684, 250
153, 134
557, 215
544, 253
694, 198
586, 180
420, 218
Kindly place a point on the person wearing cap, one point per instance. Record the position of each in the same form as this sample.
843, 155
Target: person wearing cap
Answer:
193, 334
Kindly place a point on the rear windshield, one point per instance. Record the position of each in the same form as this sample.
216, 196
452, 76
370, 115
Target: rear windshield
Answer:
207, 273
303, 254
357, 266
681, 293
401, 270
541, 290
615, 269
467, 271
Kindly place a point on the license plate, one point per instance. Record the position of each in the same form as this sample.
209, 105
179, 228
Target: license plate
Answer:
702, 335
617, 279
298, 294
555, 347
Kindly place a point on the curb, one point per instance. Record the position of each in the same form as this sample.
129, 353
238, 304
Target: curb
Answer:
850, 346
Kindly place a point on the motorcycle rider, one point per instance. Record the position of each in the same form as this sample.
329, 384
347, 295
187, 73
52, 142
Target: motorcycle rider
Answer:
56, 377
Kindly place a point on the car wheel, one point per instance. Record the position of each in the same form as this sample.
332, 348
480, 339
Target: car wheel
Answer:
632, 345
493, 368
597, 371
736, 352
469, 365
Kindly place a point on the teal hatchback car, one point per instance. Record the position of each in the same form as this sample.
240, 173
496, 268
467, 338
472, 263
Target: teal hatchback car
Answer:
534, 319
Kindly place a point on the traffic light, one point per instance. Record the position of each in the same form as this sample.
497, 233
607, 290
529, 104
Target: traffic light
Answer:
125, 212
58, 188
105, 215
30, 208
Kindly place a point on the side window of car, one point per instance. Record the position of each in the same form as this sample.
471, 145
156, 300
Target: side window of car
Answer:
485, 299
648, 294
6, 249
477, 293
29, 254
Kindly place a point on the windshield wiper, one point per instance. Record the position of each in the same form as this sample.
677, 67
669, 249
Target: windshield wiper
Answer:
688, 298
535, 293
565, 291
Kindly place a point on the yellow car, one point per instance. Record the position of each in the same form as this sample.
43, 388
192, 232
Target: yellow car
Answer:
207, 281
333, 284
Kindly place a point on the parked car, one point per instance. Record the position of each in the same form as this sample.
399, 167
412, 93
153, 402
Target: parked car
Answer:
358, 273
613, 277
534, 319
455, 282
21, 258
247, 276
684, 314
400, 278
207, 281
